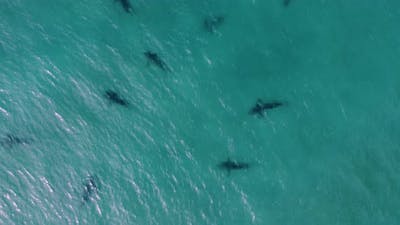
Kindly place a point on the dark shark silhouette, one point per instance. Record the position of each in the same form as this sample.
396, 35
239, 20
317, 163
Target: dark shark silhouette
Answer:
211, 23
126, 5
261, 107
286, 3
90, 188
10, 141
155, 59
233, 165
114, 97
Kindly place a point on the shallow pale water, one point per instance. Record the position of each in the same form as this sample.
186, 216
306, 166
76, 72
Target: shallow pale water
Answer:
329, 156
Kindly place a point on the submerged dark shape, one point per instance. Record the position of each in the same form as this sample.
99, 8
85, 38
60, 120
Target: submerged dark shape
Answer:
286, 3
90, 188
10, 141
233, 165
155, 59
260, 107
115, 98
126, 5
211, 23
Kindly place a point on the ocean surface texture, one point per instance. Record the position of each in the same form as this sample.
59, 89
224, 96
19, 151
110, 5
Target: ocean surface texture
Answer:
138, 112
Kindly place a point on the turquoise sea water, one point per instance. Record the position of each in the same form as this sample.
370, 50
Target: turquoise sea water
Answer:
329, 156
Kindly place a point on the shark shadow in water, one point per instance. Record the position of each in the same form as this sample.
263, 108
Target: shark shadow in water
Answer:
155, 59
229, 165
286, 3
211, 23
90, 188
10, 141
261, 107
126, 5
114, 97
